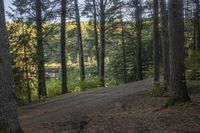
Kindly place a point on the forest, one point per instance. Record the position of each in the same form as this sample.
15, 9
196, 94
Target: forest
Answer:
63, 48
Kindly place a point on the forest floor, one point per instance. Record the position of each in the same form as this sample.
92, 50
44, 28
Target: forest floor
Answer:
124, 113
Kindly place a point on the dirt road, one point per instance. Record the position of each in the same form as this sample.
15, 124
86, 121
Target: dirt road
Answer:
56, 107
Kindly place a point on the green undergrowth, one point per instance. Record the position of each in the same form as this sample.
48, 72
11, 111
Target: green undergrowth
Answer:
193, 85
176, 101
89, 84
159, 89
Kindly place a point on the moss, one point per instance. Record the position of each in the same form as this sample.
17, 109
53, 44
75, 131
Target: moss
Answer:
171, 101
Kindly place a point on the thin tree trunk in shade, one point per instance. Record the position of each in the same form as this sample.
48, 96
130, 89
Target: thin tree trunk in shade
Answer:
156, 42
138, 16
8, 109
40, 51
102, 45
96, 34
197, 26
123, 44
194, 35
26, 66
165, 39
63, 45
177, 82
80, 42
27, 75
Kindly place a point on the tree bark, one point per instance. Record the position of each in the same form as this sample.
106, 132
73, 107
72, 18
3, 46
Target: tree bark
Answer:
102, 45
80, 42
138, 17
165, 39
26, 64
96, 34
156, 41
8, 111
63, 45
197, 26
123, 44
27, 74
177, 84
40, 51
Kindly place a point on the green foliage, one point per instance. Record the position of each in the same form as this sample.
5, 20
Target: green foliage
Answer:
149, 72
193, 64
21, 92
73, 79
193, 85
89, 84
22, 37
194, 75
22, 46
176, 101
160, 89
53, 87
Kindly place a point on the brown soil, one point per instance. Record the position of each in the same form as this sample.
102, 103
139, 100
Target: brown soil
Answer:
138, 113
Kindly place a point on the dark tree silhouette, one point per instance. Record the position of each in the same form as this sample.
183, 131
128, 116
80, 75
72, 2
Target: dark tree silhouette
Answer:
40, 51
177, 84
138, 17
165, 39
8, 111
63, 43
156, 41
80, 42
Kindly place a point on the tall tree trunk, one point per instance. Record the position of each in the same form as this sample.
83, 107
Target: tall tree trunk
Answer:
156, 41
165, 39
177, 84
194, 33
40, 51
96, 34
80, 42
138, 17
63, 43
8, 111
27, 75
197, 26
26, 65
123, 43
102, 45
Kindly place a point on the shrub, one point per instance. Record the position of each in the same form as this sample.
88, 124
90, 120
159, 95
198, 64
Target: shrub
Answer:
193, 85
194, 75
53, 87
160, 90
89, 83
193, 65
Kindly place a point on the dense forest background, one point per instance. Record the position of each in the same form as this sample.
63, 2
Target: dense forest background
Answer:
55, 47
130, 46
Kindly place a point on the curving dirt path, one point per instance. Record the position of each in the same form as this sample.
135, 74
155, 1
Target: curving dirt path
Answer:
56, 107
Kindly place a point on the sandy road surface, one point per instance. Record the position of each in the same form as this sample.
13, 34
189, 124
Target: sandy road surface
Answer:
56, 107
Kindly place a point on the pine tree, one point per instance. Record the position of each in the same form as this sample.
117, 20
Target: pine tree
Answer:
165, 39
8, 111
63, 43
177, 82
156, 41
80, 42
40, 51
